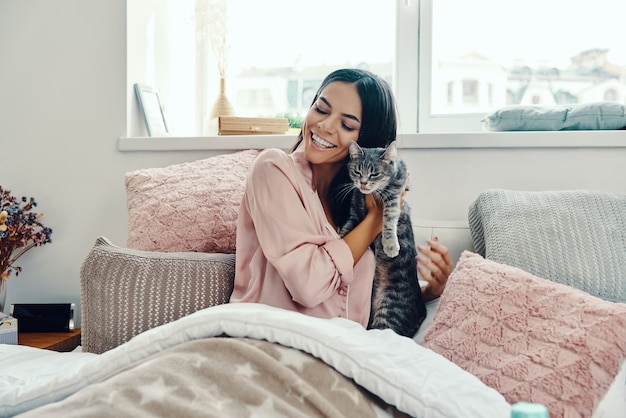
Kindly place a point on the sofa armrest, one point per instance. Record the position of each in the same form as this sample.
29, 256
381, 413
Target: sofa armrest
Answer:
125, 292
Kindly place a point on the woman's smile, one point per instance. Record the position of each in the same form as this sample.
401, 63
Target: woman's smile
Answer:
321, 142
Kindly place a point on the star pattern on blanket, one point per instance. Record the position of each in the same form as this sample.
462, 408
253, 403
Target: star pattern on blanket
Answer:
245, 369
299, 391
210, 393
155, 391
266, 409
339, 386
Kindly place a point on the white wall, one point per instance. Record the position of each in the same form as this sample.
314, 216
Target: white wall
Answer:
446, 181
63, 92
63, 106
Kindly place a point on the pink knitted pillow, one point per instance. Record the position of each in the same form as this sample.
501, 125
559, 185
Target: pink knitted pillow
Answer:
529, 338
187, 207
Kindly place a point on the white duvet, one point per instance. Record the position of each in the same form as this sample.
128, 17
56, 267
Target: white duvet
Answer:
401, 372
397, 369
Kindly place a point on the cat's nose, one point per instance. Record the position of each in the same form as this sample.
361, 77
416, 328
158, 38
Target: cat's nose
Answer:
363, 186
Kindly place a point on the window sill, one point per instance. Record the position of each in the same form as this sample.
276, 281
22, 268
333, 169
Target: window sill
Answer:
543, 139
207, 143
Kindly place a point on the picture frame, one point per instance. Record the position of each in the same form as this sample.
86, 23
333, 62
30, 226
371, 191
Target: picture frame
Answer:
152, 109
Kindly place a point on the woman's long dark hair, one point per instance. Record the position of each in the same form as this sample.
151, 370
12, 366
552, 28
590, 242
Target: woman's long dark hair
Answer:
379, 124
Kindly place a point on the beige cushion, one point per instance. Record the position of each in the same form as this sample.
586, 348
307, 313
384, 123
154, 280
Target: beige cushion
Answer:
125, 292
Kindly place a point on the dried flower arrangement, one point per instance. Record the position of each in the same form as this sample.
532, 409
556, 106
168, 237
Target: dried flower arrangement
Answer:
20, 230
212, 24
211, 18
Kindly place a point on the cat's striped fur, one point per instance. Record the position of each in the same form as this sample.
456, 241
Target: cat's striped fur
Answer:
396, 298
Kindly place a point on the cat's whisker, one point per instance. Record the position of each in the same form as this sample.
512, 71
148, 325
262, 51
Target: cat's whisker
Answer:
344, 190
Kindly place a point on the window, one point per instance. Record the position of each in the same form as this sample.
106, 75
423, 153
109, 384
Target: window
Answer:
533, 53
449, 61
278, 52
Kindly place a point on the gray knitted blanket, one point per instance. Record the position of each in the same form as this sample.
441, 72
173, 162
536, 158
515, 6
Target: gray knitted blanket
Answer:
574, 237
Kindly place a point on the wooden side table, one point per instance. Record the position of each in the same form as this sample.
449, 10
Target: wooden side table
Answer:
57, 341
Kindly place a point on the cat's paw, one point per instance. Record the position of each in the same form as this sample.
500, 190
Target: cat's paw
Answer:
391, 248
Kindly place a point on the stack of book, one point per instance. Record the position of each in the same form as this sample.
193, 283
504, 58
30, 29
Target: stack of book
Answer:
233, 125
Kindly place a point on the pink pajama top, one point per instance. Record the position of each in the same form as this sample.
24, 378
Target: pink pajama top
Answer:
288, 255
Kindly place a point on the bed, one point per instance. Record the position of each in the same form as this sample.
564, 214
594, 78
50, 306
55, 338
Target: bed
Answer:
255, 360
273, 363
533, 312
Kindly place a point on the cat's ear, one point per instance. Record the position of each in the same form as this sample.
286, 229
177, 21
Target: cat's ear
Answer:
355, 150
391, 153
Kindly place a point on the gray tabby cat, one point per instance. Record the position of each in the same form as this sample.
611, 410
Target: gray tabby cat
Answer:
396, 297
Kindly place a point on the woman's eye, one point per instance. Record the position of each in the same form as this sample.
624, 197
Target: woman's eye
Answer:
347, 128
320, 111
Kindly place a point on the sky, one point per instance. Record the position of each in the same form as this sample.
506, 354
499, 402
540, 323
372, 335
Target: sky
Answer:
545, 30
314, 31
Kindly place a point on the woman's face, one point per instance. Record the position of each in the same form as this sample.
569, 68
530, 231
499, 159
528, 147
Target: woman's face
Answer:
331, 123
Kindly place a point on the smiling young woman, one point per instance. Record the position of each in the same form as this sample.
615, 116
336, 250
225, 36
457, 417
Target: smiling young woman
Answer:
289, 253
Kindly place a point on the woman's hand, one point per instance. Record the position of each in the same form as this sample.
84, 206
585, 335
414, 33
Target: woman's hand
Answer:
375, 210
434, 265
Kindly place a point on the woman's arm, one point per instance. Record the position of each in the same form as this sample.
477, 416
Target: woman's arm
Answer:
362, 236
287, 219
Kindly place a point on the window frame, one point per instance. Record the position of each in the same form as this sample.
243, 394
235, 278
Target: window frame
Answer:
415, 18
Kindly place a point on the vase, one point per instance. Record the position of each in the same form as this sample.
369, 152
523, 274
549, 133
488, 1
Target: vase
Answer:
3, 295
222, 106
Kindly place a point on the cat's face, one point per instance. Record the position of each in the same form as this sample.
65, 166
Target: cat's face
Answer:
371, 169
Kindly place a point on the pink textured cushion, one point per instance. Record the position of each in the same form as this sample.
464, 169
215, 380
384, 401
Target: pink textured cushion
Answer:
187, 207
529, 338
